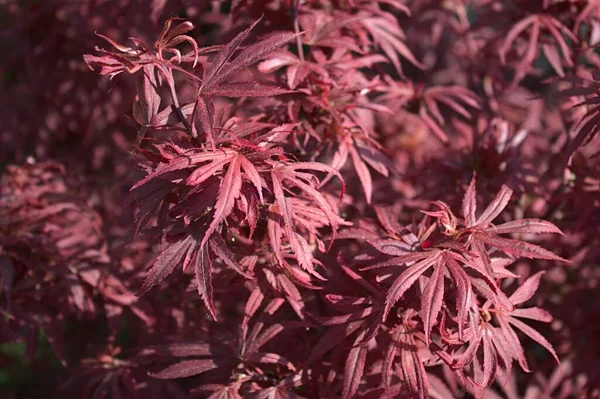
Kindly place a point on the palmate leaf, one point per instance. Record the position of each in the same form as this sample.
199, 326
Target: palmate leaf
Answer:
226, 356
483, 234
186, 368
288, 176
227, 64
432, 300
362, 154
466, 247
229, 191
354, 369
458, 99
587, 127
406, 280
516, 248
190, 250
501, 345
202, 167
538, 24
387, 34
203, 270
495, 207
167, 261
443, 262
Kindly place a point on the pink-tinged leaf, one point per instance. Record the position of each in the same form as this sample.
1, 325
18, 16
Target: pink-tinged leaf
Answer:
186, 368
179, 163
490, 360
259, 50
489, 290
405, 281
389, 36
247, 89
392, 247
524, 226
482, 260
464, 292
276, 60
252, 175
148, 101
496, 206
466, 358
347, 301
587, 129
512, 35
270, 333
229, 191
455, 105
388, 219
269, 358
530, 53
533, 314
375, 159
513, 346
411, 369
218, 64
339, 158
292, 295
252, 304
354, 369
304, 253
297, 74
534, 335
518, 248
290, 174
431, 124
206, 114
398, 260
250, 199
439, 390
201, 174
166, 262
344, 319
203, 270
247, 57
526, 290
431, 302
184, 349
275, 235
500, 346
433, 109
219, 247
555, 28
388, 360
362, 62
363, 173
469, 205
168, 34
276, 135
169, 116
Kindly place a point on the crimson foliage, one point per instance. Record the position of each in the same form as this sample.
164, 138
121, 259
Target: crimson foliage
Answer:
302, 199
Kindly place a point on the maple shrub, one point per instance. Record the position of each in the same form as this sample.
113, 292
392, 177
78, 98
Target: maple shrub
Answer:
302, 199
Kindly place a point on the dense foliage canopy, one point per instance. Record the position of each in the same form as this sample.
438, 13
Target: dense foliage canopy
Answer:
300, 199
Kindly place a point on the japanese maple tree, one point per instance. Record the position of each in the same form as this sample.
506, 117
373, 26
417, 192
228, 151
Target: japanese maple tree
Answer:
300, 199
